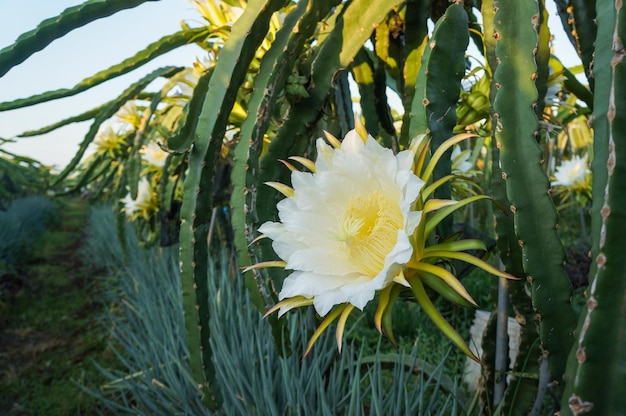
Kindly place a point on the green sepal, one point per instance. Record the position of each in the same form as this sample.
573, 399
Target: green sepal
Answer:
429, 308
441, 287
438, 216
383, 314
460, 245
445, 275
332, 315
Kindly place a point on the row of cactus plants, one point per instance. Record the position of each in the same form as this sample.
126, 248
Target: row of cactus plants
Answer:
277, 79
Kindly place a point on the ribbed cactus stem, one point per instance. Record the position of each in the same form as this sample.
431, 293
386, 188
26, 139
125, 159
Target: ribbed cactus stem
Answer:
579, 21
527, 186
416, 39
597, 367
245, 37
276, 66
521, 392
437, 91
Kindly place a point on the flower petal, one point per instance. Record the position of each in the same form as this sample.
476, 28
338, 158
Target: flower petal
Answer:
345, 229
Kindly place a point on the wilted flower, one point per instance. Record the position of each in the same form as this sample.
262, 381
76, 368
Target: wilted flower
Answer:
345, 228
144, 204
573, 174
154, 155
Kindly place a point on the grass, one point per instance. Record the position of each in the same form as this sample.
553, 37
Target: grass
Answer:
145, 321
50, 331
253, 377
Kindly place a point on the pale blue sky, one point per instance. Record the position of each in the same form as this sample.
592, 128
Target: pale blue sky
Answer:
92, 48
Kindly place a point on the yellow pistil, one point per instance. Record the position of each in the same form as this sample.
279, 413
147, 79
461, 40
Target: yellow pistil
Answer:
369, 229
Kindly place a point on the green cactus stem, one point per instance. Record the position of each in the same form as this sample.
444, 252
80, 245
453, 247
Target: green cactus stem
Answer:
415, 41
276, 67
579, 21
152, 51
245, 36
596, 372
352, 27
521, 393
108, 110
532, 209
437, 91
58, 26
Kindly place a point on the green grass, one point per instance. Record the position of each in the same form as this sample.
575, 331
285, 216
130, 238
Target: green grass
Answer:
147, 324
51, 334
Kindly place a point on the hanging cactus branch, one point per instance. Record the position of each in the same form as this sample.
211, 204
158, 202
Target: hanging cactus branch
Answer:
58, 26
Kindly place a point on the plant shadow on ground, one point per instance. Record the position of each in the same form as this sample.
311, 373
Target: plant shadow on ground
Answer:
50, 332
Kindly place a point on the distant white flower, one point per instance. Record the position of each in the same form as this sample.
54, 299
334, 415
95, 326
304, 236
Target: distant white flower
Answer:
188, 82
345, 229
573, 173
554, 87
460, 160
108, 141
129, 114
144, 204
154, 155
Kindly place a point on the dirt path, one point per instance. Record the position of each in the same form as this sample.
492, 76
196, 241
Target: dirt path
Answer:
50, 334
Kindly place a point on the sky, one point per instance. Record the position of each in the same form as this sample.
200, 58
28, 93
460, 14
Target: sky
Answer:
92, 48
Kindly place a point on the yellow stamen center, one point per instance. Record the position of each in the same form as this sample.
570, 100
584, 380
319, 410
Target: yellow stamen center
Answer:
369, 228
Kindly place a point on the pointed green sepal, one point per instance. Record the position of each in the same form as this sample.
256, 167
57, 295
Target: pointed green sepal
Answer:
468, 258
432, 222
341, 325
461, 245
432, 312
439, 153
289, 304
325, 323
444, 275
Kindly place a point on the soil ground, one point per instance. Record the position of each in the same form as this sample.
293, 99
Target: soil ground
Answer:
50, 329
